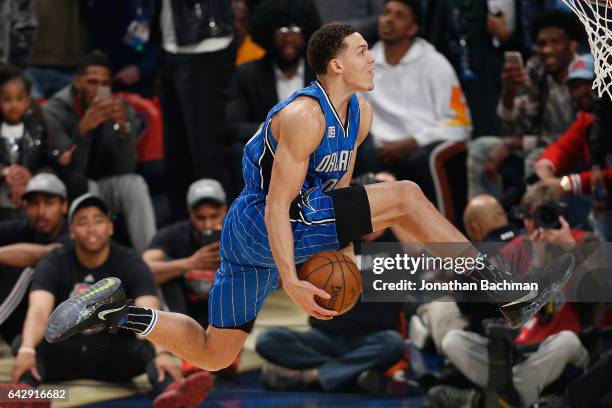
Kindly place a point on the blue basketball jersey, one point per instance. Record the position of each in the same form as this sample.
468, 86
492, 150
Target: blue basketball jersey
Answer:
327, 164
248, 271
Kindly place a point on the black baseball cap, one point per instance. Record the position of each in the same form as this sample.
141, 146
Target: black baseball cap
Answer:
87, 200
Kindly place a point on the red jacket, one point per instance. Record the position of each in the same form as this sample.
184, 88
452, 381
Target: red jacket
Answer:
572, 148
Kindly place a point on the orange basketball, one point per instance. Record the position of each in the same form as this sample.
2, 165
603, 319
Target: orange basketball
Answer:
336, 274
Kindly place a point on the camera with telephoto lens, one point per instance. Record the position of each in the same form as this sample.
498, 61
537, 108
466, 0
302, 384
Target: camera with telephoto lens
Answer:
547, 215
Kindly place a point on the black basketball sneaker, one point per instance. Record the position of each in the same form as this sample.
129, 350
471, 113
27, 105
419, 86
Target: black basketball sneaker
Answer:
102, 305
518, 306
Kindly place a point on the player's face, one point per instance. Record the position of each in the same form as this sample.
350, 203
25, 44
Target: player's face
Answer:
208, 216
555, 49
357, 64
396, 22
91, 229
46, 212
582, 96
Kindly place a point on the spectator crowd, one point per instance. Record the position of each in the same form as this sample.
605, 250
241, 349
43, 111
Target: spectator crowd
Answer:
122, 126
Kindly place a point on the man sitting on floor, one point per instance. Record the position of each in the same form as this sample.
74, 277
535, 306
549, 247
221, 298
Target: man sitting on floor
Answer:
72, 269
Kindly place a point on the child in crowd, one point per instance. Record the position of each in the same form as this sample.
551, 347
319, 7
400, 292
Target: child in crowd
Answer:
23, 147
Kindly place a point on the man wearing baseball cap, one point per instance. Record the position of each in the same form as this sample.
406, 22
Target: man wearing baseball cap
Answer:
183, 251
70, 270
24, 241
184, 256
579, 80
46, 206
559, 161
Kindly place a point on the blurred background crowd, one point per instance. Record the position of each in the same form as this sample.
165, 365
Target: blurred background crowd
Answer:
122, 125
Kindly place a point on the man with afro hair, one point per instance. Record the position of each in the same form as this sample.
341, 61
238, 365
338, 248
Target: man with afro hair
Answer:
282, 28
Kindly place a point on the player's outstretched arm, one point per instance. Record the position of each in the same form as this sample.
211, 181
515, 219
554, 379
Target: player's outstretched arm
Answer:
299, 128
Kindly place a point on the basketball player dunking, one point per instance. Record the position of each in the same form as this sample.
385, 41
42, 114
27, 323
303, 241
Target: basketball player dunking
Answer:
296, 202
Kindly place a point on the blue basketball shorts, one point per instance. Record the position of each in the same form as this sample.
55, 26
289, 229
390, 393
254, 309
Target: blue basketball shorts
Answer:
320, 221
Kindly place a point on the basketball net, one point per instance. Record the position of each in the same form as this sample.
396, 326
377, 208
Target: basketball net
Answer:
596, 16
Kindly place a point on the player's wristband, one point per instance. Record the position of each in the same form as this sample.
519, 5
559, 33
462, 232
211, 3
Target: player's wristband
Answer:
26, 350
159, 353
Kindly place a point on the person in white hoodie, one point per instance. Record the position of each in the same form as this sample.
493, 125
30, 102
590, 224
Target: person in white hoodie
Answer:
417, 99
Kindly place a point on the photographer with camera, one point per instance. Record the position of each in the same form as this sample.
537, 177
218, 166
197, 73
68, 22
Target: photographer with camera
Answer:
544, 219
555, 328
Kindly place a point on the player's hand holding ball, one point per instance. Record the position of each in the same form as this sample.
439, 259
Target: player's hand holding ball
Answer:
304, 293
329, 284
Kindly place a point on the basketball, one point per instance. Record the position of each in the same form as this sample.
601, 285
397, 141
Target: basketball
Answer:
336, 274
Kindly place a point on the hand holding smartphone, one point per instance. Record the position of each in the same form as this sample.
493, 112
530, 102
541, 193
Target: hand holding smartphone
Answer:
103, 92
513, 58
514, 74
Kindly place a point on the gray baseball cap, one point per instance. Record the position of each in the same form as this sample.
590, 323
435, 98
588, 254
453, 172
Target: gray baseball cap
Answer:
87, 200
205, 189
46, 183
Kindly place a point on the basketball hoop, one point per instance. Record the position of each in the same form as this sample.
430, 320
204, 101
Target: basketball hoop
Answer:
596, 16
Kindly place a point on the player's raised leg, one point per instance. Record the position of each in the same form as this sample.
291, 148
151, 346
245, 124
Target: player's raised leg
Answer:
401, 204
211, 349
104, 305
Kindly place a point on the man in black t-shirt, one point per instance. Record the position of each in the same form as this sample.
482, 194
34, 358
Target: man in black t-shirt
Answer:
24, 241
70, 270
184, 256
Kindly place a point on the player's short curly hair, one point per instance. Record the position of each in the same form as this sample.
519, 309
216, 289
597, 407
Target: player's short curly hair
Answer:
325, 44
269, 15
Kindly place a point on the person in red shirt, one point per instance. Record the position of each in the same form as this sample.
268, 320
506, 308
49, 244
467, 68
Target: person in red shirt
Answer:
568, 164
557, 165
